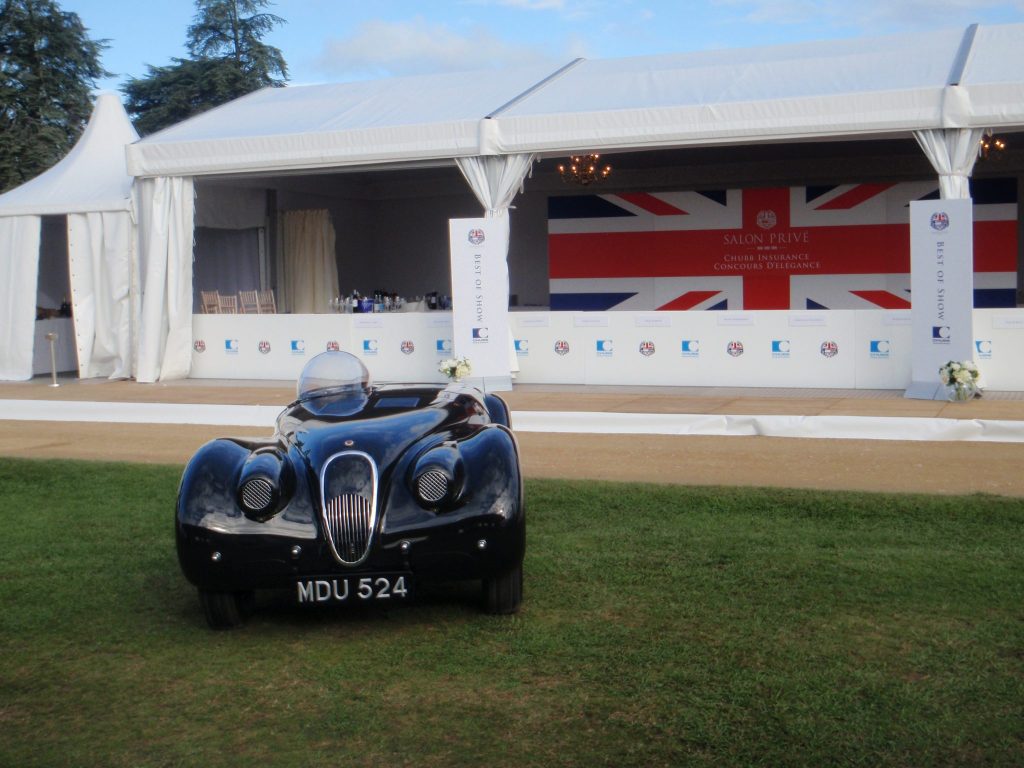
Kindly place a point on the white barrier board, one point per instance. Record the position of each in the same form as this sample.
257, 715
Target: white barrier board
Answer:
847, 349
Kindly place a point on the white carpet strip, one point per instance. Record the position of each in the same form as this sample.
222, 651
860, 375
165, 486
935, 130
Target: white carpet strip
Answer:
830, 427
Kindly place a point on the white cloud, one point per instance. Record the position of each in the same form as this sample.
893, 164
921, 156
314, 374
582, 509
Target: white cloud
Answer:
534, 5
868, 15
381, 48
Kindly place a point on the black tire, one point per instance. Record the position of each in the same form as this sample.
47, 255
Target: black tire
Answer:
225, 610
504, 594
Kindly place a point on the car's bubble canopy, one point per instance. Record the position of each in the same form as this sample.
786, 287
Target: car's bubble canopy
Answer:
334, 382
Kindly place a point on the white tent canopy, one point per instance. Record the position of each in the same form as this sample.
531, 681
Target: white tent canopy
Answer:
92, 187
863, 87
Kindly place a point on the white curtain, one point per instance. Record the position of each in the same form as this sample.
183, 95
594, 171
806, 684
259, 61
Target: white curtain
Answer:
100, 254
310, 265
165, 209
19, 263
495, 179
952, 152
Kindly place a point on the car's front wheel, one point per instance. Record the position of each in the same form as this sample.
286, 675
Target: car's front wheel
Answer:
225, 610
504, 594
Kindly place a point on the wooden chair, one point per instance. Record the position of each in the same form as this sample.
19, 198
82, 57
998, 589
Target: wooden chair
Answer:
248, 303
210, 302
267, 304
228, 305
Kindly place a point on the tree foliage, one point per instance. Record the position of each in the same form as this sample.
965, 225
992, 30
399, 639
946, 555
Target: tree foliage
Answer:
229, 59
48, 68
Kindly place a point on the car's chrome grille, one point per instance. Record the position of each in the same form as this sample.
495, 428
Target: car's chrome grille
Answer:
257, 494
432, 485
348, 525
348, 493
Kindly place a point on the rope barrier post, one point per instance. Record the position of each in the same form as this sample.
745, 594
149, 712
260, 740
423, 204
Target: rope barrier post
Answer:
52, 338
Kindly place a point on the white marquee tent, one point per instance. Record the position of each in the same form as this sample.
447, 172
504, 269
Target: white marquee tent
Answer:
92, 188
944, 88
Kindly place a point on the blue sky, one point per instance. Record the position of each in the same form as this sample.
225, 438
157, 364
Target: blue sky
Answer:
338, 40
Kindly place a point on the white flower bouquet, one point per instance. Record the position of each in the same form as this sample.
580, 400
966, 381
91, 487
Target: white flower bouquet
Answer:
455, 368
961, 378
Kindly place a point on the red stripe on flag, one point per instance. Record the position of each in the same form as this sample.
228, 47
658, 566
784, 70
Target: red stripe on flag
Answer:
854, 197
865, 250
766, 292
995, 246
652, 204
883, 299
688, 300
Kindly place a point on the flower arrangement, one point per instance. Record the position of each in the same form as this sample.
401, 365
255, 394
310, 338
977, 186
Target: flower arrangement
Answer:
961, 378
455, 368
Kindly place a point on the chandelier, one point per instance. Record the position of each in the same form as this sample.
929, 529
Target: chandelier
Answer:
584, 170
990, 144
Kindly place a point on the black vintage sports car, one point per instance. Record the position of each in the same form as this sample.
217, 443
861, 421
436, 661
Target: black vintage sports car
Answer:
361, 493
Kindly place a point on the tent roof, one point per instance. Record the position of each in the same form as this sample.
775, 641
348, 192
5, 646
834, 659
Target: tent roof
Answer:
313, 126
91, 177
864, 87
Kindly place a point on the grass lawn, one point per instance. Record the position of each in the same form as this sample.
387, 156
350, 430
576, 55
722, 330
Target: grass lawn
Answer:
661, 627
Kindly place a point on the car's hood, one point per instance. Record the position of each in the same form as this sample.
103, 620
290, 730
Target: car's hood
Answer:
384, 439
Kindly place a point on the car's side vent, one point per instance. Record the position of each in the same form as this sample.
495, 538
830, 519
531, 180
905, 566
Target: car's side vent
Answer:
348, 495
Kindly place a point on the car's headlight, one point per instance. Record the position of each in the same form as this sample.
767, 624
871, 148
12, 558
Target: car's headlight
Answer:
264, 485
438, 477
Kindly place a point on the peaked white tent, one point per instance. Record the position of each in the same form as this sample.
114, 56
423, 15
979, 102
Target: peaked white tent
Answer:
90, 186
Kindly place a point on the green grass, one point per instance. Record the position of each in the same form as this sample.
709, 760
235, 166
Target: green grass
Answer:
662, 626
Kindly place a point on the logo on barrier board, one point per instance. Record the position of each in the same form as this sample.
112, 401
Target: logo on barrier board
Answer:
940, 334
523, 347
444, 346
480, 335
264, 347
829, 349
407, 347
199, 346
734, 348
333, 346
690, 348
605, 347
369, 346
879, 348
646, 348
984, 347
939, 221
231, 346
561, 347
476, 236
780, 348
298, 347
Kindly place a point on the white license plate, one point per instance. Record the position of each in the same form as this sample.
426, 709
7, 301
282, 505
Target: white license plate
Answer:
354, 589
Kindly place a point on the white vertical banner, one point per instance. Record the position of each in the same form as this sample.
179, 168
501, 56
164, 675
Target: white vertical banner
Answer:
941, 289
479, 248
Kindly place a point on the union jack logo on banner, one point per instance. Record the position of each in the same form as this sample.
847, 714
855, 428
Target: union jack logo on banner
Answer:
333, 346
829, 349
408, 347
646, 348
264, 347
827, 247
199, 346
734, 348
561, 347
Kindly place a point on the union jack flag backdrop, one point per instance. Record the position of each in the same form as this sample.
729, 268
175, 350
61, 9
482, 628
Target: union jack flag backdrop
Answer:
841, 247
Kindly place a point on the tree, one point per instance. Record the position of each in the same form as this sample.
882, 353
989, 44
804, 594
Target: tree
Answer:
48, 69
219, 29
229, 60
